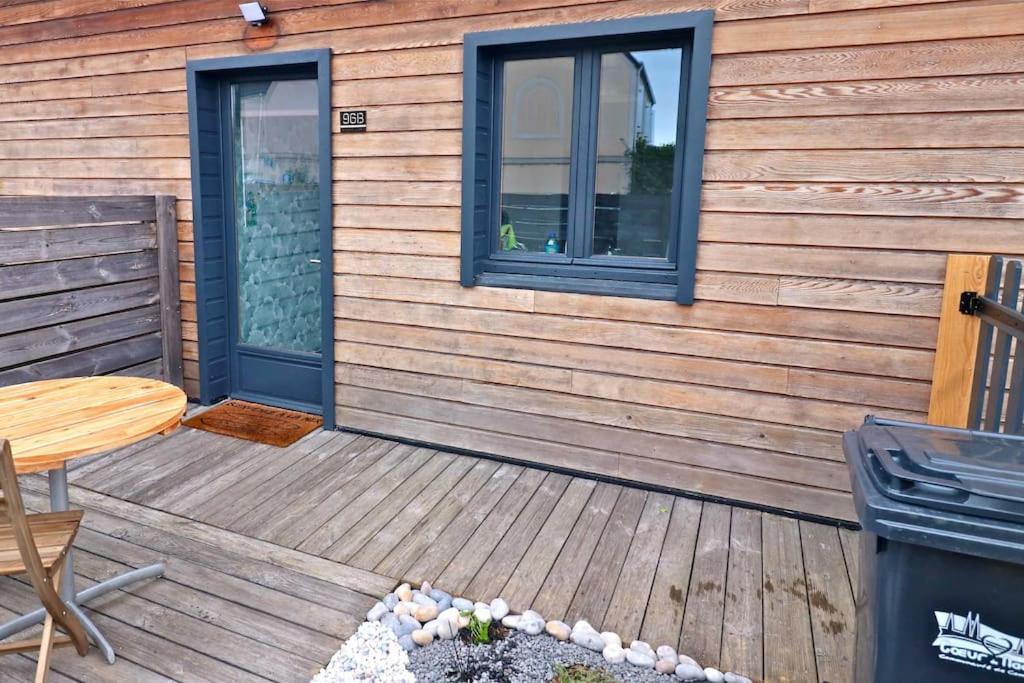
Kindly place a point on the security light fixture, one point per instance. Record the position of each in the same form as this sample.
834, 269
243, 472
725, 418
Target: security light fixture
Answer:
253, 12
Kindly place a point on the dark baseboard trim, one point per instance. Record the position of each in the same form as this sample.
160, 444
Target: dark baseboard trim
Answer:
793, 514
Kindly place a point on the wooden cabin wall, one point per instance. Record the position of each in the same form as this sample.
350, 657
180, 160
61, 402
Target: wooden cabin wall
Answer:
851, 144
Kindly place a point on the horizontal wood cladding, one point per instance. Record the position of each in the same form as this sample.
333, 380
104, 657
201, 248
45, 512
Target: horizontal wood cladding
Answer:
851, 145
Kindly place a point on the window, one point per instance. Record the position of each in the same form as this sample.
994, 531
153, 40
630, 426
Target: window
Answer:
582, 153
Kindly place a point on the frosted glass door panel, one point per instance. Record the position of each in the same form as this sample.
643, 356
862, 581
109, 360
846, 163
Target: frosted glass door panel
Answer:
277, 214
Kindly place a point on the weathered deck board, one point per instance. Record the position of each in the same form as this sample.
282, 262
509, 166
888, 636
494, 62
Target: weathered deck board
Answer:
706, 600
742, 632
624, 615
752, 591
595, 590
667, 602
831, 603
787, 628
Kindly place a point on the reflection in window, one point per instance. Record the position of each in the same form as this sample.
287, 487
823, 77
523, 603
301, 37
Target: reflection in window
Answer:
638, 113
538, 110
535, 152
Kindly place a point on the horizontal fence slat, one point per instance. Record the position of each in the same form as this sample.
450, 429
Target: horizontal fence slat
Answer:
151, 369
99, 360
31, 212
54, 309
52, 244
48, 277
25, 347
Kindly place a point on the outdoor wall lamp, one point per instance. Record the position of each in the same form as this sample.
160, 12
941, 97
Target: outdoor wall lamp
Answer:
253, 12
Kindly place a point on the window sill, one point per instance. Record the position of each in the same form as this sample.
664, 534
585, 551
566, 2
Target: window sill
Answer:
575, 285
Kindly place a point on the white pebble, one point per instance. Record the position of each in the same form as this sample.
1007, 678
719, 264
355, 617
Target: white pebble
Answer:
511, 620
404, 592
531, 627
614, 654
713, 675
499, 609
377, 611
588, 639
611, 638
421, 599
462, 604
447, 629
663, 666
690, 672
639, 659
731, 677
483, 614
666, 652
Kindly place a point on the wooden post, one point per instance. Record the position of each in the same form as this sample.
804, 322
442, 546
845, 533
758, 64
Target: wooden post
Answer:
170, 290
956, 351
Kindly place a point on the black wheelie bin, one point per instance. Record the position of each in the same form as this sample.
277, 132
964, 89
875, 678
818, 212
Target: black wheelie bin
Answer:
941, 595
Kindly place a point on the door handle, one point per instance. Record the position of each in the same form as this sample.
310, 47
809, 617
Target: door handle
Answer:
315, 260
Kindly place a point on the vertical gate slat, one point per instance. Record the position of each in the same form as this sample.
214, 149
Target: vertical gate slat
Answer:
1015, 400
984, 350
1001, 352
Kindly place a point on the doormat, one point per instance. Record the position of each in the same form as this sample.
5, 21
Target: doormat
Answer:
255, 422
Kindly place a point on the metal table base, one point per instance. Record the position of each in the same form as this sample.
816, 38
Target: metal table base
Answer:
59, 503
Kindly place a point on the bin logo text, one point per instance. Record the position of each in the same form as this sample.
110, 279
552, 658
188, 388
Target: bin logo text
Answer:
966, 640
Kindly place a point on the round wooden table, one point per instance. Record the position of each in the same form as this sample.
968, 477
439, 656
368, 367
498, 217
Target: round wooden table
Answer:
50, 422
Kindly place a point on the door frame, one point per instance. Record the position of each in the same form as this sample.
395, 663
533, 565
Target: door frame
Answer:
210, 226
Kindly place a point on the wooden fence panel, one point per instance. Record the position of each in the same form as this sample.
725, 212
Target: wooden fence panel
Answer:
89, 286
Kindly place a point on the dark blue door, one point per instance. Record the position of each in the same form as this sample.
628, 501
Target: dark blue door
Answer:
271, 150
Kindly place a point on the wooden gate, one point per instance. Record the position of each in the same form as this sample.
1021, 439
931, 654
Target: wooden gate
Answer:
89, 286
978, 380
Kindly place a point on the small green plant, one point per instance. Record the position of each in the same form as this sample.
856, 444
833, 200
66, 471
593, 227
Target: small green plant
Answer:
479, 631
579, 673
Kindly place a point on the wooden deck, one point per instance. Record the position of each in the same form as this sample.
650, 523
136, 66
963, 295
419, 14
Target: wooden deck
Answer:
273, 555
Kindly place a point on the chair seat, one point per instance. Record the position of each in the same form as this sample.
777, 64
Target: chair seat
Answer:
53, 532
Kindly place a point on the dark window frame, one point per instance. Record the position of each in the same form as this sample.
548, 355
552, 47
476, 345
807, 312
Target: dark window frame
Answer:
484, 56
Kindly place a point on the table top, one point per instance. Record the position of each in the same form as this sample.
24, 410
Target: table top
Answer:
52, 421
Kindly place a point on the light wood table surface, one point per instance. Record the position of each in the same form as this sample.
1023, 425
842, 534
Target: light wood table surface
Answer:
52, 421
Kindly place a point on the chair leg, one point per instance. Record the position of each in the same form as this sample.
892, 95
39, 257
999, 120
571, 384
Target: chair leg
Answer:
46, 642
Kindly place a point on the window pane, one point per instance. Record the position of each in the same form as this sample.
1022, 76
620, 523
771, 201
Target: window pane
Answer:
636, 144
535, 149
277, 214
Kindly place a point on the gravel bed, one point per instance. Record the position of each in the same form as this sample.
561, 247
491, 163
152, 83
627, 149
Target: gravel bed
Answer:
372, 655
520, 658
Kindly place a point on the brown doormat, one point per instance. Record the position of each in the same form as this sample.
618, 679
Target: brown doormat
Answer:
255, 422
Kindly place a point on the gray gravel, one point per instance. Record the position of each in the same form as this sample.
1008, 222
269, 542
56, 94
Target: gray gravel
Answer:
517, 659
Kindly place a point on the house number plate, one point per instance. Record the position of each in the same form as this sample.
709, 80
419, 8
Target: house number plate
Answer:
353, 121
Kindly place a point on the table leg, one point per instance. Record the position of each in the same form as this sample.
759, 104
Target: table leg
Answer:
59, 503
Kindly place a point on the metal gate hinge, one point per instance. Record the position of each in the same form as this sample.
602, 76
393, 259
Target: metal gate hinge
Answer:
970, 303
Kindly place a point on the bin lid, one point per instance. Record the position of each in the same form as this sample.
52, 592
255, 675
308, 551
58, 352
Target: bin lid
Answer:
967, 472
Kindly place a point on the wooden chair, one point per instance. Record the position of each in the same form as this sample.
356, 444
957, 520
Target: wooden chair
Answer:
37, 545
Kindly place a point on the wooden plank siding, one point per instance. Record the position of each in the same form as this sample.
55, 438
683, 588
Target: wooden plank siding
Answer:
850, 147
